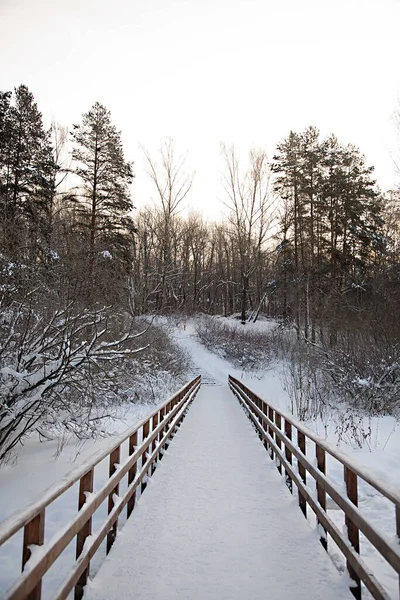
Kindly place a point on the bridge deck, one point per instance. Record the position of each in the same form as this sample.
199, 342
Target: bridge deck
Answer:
217, 522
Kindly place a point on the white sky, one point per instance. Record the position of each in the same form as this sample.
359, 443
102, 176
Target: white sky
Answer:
205, 71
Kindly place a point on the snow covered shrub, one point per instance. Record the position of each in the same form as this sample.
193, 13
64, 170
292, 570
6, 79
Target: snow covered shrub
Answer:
355, 377
63, 369
245, 347
302, 380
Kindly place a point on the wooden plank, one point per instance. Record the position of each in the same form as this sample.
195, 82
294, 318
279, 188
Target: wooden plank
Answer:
85, 486
115, 458
271, 419
33, 536
301, 442
146, 430
132, 473
321, 494
353, 534
162, 417
154, 424
278, 423
288, 454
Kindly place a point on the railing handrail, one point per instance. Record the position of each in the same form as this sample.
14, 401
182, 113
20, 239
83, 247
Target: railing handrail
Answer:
21, 517
385, 488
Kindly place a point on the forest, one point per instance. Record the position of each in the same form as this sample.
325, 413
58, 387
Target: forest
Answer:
309, 240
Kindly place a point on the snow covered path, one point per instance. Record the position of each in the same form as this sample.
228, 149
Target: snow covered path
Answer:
217, 522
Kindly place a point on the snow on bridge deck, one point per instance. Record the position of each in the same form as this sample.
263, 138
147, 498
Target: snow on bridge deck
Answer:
217, 522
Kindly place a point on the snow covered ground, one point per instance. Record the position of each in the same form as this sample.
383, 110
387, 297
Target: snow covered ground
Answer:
37, 466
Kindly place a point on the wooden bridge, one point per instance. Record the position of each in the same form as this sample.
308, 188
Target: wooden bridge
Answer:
216, 522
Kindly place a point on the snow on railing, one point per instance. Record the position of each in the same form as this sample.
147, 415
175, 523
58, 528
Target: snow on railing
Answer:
277, 429
146, 440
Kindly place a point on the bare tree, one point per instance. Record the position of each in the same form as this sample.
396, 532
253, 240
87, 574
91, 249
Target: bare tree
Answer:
251, 211
173, 184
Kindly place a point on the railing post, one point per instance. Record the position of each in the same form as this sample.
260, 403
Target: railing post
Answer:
301, 442
261, 405
321, 494
33, 535
278, 423
288, 454
85, 485
112, 534
146, 430
168, 410
353, 534
162, 417
270, 430
132, 474
154, 443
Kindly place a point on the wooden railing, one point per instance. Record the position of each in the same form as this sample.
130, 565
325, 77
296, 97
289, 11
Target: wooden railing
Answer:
286, 440
145, 441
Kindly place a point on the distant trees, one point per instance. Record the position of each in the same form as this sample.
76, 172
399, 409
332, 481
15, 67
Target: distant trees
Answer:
250, 203
308, 239
331, 229
172, 184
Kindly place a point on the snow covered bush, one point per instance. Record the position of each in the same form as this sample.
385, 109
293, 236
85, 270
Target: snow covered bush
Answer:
361, 379
63, 369
246, 348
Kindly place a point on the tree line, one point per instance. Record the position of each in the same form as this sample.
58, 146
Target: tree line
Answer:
308, 239
305, 232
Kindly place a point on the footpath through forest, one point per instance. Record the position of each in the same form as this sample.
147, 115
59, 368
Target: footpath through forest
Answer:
217, 522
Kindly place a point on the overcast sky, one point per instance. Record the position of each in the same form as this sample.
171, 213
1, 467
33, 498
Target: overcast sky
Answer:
205, 71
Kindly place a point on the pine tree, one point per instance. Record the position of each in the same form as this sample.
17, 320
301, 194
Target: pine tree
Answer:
332, 220
26, 177
104, 201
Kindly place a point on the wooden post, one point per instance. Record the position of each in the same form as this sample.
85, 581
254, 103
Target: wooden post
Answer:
132, 474
262, 406
278, 423
353, 534
167, 425
288, 454
271, 413
301, 442
162, 417
85, 485
154, 443
112, 534
321, 494
33, 535
146, 430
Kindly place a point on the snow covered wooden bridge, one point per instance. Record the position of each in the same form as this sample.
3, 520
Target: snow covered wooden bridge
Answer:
216, 521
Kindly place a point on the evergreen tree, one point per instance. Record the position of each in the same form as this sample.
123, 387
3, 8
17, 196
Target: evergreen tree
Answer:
332, 221
26, 178
104, 202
